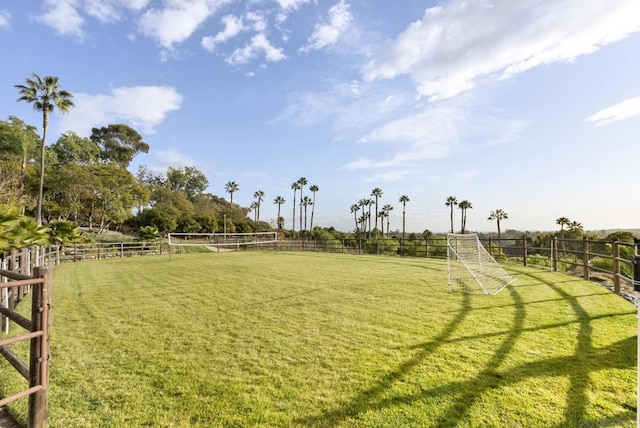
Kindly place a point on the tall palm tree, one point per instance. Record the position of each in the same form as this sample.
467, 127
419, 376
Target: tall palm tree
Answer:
382, 214
452, 201
313, 189
354, 210
259, 195
404, 199
464, 206
231, 187
302, 182
46, 95
254, 207
498, 215
387, 210
295, 186
279, 200
369, 205
306, 201
363, 203
376, 193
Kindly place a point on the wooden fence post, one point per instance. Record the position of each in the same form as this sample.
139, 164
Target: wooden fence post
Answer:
524, 250
554, 254
616, 266
39, 361
585, 258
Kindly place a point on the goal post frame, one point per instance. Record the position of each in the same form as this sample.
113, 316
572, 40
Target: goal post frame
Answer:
216, 239
472, 266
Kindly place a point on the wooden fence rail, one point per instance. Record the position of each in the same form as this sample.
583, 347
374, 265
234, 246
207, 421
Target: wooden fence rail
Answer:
36, 371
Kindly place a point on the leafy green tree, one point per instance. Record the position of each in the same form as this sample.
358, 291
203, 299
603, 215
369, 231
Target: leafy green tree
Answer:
119, 143
314, 189
71, 148
188, 179
18, 142
231, 187
149, 233
46, 95
451, 202
377, 194
498, 215
64, 232
403, 199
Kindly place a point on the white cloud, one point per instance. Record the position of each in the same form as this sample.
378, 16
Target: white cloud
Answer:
142, 107
4, 19
291, 4
620, 111
232, 27
110, 11
62, 16
459, 42
258, 44
328, 33
178, 21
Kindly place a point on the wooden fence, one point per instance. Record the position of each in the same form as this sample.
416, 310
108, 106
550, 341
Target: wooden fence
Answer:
21, 275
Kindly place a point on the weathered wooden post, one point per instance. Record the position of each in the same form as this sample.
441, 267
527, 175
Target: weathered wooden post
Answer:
616, 266
39, 361
554, 253
524, 250
585, 258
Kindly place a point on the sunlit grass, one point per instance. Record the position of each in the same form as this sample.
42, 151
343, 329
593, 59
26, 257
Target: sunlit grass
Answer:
251, 338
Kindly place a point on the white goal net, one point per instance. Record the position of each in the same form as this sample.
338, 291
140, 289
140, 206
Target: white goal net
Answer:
222, 241
471, 268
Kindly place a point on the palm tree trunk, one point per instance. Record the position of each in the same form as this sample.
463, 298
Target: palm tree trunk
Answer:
45, 124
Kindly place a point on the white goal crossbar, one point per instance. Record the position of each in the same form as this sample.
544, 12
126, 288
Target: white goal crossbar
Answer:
229, 240
471, 268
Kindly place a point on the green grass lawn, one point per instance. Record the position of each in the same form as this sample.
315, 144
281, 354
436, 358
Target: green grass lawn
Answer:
304, 339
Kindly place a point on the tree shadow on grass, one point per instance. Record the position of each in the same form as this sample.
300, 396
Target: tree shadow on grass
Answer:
463, 395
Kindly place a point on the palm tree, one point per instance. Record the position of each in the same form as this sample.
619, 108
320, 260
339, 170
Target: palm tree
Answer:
354, 210
404, 199
377, 193
254, 207
382, 214
279, 200
259, 195
464, 206
305, 202
45, 94
426, 234
313, 189
498, 215
302, 182
452, 201
363, 203
231, 187
576, 227
387, 210
562, 222
294, 186
369, 205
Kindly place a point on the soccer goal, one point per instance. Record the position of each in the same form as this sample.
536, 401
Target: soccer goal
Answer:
471, 268
219, 242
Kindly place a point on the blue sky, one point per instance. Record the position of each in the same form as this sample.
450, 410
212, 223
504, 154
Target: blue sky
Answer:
532, 107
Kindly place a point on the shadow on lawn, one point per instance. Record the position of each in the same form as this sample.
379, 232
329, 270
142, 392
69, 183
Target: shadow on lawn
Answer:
463, 395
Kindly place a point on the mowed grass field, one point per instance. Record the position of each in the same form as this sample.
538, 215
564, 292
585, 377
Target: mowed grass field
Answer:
302, 339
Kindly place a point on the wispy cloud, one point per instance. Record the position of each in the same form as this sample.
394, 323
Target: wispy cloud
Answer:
620, 111
65, 16
458, 42
326, 34
142, 107
291, 4
233, 26
4, 19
